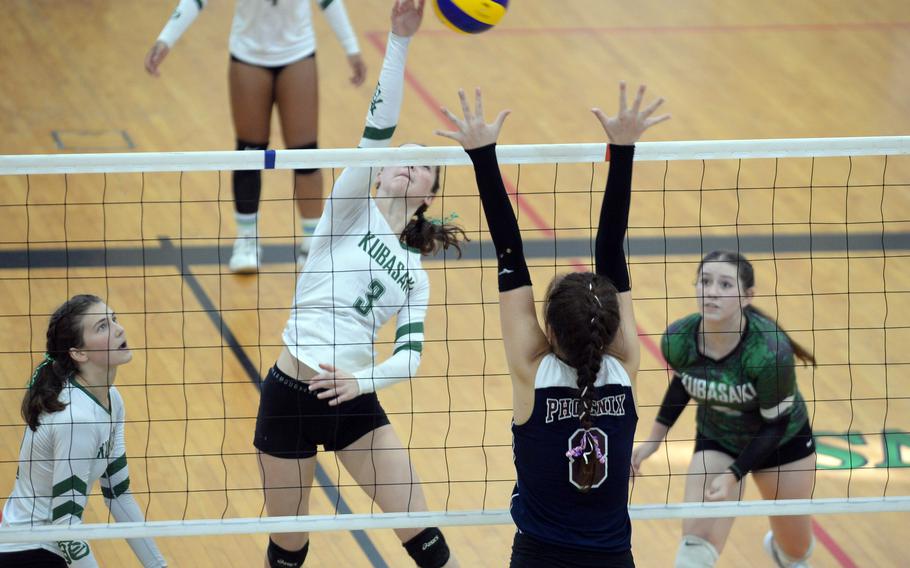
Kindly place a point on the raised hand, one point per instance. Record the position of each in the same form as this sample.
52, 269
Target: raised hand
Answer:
626, 128
334, 385
406, 17
155, 56
473, 131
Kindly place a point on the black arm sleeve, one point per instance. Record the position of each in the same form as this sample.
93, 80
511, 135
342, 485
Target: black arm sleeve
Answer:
513, 270
675, 400
763, 443
609, 258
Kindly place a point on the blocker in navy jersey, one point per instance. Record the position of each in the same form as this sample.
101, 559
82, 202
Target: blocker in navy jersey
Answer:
546, 502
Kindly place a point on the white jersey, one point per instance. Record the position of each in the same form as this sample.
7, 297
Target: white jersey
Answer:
270, 32
358, 274
59, 464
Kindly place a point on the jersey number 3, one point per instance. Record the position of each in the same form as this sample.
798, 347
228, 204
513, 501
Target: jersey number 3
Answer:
364, 304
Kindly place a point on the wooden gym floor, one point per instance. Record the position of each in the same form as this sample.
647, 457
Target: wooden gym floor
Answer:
73, 82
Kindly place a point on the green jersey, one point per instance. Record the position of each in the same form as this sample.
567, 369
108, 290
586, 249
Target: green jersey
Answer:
755, 382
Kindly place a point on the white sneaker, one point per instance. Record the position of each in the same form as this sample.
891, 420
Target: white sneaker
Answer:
771, 549
246, 255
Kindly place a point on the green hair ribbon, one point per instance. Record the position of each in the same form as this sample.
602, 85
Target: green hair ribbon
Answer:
47, 359
443, 221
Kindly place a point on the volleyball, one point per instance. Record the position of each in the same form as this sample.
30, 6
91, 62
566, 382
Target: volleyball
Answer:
470, 16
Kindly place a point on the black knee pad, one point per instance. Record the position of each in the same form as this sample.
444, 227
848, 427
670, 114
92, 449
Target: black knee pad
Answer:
247, 183
306, 171
281, 558
428, 549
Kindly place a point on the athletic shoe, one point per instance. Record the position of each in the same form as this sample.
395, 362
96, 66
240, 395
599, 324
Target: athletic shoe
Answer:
775, 553
246, 255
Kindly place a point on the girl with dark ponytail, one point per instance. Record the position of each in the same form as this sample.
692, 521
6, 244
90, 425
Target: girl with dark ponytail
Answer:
739, 366
64, 332
75, 419
572, 379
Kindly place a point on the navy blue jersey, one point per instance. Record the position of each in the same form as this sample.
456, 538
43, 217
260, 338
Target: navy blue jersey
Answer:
546, 502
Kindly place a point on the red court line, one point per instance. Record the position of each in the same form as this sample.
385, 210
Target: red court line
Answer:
375, 38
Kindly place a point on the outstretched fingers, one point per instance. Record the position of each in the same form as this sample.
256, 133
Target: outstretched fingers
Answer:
639, 95
500, 120
622, 97
465, 109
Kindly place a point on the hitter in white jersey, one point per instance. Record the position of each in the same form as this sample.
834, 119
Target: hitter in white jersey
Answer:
74, 438
364, 269
273, 62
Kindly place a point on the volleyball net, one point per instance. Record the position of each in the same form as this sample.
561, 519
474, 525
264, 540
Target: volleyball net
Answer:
824, 221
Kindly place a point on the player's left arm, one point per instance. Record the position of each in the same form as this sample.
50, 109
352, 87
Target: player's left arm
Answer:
337, 16
115, 487
406, 353
775, 382
337, 386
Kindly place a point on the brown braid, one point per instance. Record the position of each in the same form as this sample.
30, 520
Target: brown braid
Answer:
582, 312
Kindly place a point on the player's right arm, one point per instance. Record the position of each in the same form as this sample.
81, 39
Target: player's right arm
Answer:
351, 191
75, 449
180, 20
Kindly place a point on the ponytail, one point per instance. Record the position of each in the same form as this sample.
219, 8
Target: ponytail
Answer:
64, 332
429, 236
799, 351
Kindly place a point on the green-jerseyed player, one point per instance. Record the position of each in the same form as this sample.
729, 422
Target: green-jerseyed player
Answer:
738, 365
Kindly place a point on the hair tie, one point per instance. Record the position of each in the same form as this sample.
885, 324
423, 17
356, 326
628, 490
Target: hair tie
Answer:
443, 220
588, 440
47, 359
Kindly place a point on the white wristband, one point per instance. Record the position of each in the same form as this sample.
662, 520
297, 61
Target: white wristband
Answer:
183, 17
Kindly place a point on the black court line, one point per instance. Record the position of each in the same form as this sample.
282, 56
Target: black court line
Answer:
284, 252
59, 135
366, 545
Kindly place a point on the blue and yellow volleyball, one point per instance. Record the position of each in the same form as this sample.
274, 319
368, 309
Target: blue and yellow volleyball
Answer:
470, 16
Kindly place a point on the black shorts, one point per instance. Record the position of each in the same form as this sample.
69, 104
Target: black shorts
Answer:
528, 552
275, 69
292, 422
796, 448
34, 558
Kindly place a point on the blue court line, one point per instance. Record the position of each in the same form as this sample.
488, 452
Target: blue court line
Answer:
285, 252
331, 492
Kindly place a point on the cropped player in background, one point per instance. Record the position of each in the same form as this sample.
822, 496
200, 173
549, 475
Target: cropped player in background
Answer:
738, 365
75, 419
364, 268
574, 412
273, 61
